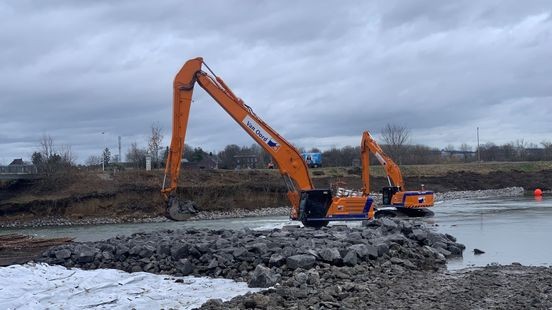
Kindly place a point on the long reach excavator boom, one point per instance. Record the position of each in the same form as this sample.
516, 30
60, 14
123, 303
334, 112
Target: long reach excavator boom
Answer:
288, 159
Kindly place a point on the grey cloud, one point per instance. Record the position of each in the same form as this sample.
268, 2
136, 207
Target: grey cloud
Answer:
317, 72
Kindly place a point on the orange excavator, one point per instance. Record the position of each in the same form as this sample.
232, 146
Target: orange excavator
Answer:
314, 207
395, 197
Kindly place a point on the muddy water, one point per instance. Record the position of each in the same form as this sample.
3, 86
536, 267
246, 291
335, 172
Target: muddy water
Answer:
512, 230
508, 230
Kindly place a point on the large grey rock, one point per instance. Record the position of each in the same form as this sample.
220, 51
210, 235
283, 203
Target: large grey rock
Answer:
263, 277
304, 261
301, 278
382, 249
330, 255
121, 250
107, 256
85, 254
260, 248
419, 235
450, 237
213, 264
146, 251
184, 266
179, 250
350, 258
239, 252
313, 277
163, 250
389, 225
365, 251
63, 254
455, 250
276, 260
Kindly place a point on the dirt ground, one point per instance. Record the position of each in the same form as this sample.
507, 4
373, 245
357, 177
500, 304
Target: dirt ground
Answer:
491, 287
18, 249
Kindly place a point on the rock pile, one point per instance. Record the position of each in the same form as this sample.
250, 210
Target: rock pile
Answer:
240, 213
264, 258
487, 193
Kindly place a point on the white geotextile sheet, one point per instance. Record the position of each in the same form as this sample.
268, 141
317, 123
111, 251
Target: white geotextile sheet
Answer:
40, 286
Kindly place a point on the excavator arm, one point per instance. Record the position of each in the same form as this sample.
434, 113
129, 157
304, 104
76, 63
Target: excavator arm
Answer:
289, 161
392, 170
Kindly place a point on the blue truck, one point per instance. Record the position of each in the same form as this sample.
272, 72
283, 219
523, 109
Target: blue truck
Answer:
313, 160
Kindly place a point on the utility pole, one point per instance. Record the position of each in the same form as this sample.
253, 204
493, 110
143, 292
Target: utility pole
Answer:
119, 159
478, 152
103, 157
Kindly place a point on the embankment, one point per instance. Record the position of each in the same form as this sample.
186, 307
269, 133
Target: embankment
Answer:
89, 197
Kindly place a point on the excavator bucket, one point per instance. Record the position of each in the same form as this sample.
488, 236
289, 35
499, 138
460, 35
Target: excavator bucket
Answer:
180, 210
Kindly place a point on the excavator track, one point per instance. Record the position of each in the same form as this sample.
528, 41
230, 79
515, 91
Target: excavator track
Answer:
403, 212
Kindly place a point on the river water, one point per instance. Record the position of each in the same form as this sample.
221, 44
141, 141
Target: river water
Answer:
508, 230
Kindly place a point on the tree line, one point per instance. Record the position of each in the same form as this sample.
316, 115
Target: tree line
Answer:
395, 143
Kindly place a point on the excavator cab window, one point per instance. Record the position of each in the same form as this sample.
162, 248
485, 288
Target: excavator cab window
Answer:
314, 203
388, 193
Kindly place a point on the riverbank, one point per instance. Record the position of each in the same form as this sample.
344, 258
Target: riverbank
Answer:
88, 197
234, 213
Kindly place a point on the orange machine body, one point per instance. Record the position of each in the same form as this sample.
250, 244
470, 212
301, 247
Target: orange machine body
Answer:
395, 194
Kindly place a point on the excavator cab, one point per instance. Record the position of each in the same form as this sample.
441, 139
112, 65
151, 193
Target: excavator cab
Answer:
318, 206
387, 194
313, 207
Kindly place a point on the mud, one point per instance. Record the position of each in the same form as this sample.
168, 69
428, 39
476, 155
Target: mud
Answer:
16, 249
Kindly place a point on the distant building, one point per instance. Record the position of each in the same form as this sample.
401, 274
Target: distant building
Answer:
458, 154
247, 161
207, 162
18, 162
18, 166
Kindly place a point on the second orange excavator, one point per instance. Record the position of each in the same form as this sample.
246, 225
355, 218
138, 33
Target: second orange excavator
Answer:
395, 198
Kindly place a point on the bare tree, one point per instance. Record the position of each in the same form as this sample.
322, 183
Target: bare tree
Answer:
93, 160
49, 159
67, 155
449, 150
136, 155
466, 149
547, 145
154, 143
47, 146
396, 137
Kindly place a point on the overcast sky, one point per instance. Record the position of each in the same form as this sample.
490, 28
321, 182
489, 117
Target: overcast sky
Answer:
319, 72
